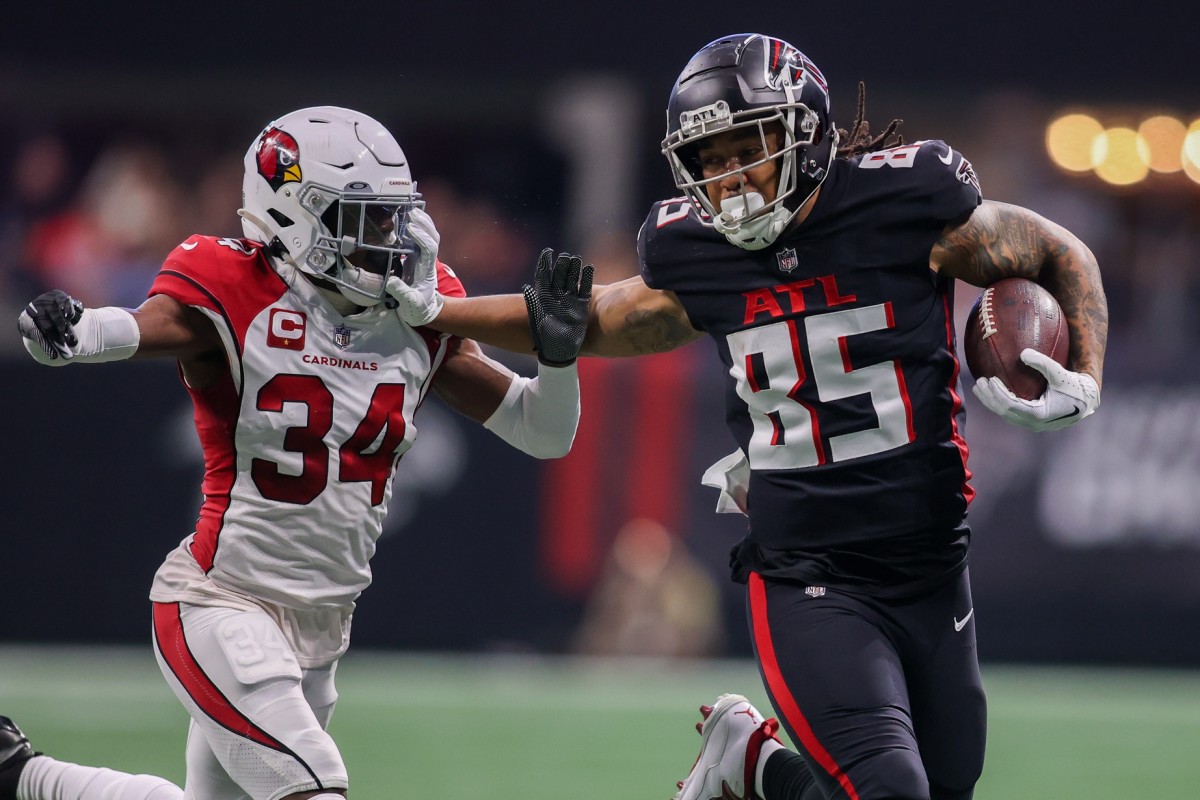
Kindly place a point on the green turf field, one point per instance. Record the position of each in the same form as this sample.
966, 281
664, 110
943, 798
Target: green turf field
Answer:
530, 729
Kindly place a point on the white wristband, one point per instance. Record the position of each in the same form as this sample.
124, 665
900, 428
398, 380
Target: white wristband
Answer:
539, 415
104, 334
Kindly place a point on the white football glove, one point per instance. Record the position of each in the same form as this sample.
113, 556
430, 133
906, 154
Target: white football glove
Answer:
419, 303
1069, 396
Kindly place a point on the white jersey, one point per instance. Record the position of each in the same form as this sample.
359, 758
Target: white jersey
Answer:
301, 438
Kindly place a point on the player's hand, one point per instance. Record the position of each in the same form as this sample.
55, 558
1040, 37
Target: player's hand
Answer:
416, 300
47, 326
557, 304
1069, 396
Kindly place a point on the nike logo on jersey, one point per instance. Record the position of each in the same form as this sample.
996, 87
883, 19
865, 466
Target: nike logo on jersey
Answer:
189, 245
946, 159
960, 624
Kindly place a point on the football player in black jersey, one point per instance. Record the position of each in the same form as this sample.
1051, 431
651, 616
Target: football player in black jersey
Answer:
822, 263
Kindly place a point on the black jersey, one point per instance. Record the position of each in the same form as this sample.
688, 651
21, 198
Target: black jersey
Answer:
843, 386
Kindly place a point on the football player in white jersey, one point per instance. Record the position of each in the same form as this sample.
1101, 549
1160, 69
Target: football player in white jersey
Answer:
305, 385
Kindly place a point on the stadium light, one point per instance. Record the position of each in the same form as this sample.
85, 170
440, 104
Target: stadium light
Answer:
1120, 156
1070, 141
1164, 138
1191, 151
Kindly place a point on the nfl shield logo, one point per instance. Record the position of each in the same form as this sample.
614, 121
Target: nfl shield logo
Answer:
788, 260
341, 336
815, 591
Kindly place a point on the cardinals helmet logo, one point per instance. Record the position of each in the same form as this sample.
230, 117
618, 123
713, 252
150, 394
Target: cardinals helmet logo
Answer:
278, 158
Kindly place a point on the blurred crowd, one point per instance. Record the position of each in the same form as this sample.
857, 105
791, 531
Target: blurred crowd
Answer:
96, 215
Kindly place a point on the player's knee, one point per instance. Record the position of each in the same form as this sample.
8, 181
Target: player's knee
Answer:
896, 775
958, 785
141, 787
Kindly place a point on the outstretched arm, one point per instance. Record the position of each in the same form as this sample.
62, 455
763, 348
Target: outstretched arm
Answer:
57, 330
536, 415
499, 320
1006, 241
627, 318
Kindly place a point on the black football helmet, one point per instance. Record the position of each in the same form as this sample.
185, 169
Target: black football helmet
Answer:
752, 81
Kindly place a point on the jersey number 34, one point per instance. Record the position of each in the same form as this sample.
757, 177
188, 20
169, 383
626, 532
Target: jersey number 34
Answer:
357, 459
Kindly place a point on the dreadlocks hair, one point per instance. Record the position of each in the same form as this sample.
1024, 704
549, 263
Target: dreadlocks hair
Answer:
858, 140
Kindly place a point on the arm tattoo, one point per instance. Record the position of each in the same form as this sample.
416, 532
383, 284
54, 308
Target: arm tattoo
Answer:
997, 241
656, 331
1003, 241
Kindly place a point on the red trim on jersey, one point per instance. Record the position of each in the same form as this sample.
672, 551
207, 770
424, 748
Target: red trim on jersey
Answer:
779, 689
216, 410
172, 644
776, 428
802, 375
751, 378
233, 279
448, 283
438, 346
956, 403
908, 415
229, 276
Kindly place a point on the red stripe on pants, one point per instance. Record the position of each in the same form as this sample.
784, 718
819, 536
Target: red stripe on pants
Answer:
779, 690
168, 634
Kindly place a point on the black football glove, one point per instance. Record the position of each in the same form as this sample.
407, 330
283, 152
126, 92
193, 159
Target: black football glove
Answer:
49, 321
557, 303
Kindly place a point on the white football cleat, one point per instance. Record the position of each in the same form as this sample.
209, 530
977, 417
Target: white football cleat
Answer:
734, 733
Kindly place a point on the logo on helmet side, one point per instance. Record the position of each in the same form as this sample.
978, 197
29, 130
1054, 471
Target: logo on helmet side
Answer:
787, 65
278, 158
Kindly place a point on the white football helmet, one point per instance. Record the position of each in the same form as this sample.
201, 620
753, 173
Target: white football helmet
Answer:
328, 190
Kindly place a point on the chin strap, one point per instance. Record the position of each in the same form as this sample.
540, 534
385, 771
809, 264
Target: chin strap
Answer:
256, 222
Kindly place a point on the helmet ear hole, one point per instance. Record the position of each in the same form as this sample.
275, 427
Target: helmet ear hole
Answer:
330, 217
283, 220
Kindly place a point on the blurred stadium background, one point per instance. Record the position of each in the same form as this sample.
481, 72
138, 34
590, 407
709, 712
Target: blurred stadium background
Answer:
584, 604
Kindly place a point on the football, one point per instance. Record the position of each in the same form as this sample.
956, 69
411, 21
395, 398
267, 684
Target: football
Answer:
1009, 316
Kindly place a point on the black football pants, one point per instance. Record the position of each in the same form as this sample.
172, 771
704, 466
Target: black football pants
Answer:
883, 697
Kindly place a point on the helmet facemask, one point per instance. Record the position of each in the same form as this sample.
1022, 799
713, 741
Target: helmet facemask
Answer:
747, 220
365, 241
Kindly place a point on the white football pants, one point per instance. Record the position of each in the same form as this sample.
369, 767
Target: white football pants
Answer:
258, 719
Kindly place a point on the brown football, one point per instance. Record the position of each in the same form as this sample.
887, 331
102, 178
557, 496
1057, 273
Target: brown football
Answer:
1009, 316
